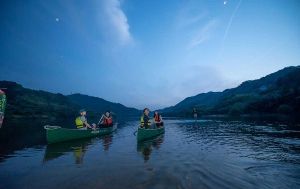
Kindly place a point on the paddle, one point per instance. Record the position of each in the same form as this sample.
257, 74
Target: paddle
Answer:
100, 119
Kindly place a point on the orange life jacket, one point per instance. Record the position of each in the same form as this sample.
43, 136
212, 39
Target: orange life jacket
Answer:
107, 121
157, 118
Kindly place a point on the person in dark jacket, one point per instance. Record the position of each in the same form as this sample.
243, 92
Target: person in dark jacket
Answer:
145, 119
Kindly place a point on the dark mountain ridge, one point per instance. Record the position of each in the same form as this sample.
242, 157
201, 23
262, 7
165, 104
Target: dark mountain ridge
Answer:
24, 102
100, 105
278, 92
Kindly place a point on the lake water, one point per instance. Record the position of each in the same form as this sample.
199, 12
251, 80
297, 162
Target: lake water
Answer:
203, 154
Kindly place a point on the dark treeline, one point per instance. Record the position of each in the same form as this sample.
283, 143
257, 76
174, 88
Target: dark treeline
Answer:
23, 102
277, 93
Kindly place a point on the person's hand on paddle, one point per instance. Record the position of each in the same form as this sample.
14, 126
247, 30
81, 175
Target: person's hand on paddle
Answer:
88, 126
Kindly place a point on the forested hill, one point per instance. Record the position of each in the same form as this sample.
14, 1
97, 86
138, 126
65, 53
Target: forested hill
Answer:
100, 105
24, 102
276, 93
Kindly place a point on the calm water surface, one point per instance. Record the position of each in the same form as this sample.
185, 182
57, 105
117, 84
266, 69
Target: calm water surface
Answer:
206, 154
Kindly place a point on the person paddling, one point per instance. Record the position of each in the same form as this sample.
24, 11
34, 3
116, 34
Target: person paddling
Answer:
145, 119
81, 121
158, 119
106, 120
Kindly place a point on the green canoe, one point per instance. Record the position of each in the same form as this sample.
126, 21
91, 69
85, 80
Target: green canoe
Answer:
58, 134
144, 134
2, 106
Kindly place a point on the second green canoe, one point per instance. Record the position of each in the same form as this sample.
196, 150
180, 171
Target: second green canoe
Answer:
144, 134
58, 134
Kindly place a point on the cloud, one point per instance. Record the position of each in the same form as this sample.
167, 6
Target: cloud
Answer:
203, 34
200, 79
115, 21
195, 24
186, 18
181, 81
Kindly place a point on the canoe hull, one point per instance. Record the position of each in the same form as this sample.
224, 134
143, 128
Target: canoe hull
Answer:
2, 106
58, 134
144, 134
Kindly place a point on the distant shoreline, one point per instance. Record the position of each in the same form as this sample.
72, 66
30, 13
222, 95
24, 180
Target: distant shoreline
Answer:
278, 118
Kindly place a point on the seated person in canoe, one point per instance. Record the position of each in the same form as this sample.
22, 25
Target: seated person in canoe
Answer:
145, 119
81, 121
106, 120
158, 120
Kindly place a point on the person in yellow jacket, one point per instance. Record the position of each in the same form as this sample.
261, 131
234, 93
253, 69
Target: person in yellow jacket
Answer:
81, 121
145, 119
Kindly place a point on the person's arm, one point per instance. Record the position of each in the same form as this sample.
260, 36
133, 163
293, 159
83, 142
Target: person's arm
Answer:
161, 119
104, 118
87, 125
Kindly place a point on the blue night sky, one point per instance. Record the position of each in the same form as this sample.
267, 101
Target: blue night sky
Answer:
145, 53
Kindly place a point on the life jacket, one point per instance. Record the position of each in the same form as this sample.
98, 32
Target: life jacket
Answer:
157, 118
79, 122
107, 121
142, 121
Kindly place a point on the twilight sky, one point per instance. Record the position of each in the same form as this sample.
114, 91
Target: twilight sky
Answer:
150, 53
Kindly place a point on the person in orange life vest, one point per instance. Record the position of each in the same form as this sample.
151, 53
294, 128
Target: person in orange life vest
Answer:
158, 119
106, 120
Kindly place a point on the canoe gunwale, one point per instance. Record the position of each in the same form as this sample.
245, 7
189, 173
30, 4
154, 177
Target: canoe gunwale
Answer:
56, 134
51, 127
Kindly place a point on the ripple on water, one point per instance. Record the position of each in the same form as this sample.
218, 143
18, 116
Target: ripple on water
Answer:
204, 154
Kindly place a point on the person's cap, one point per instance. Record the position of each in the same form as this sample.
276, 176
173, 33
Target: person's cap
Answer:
82, 110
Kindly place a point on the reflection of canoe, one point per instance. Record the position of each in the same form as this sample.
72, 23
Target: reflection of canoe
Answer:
56, 150
146, 146
58, 134
144, 134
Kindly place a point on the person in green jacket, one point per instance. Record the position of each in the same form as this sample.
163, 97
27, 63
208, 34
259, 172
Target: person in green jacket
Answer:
81, 121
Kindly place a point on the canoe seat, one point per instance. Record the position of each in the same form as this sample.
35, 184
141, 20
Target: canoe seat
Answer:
50, 127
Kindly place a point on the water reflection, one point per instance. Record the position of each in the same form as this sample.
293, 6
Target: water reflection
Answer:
265, 142
203, 154
77, 147
146, 147
107, 141
21, 133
